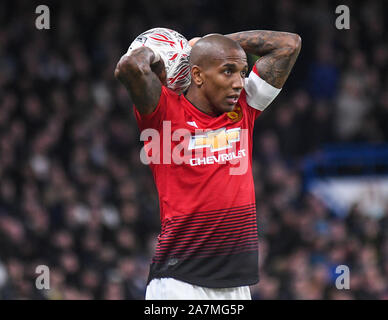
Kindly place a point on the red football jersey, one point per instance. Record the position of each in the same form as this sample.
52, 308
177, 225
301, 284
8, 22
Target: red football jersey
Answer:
202, 168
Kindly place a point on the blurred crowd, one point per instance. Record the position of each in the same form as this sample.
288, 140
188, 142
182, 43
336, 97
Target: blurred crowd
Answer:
74, 195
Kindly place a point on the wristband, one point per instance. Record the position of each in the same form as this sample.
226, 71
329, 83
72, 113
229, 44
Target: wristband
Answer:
259, 93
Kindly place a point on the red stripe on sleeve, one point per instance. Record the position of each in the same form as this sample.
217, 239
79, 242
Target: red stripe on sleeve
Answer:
254, 69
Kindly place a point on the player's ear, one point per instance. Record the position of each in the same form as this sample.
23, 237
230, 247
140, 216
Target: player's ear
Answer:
197, 76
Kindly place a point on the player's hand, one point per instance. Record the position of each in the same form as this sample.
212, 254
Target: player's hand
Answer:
160, 70
122, 70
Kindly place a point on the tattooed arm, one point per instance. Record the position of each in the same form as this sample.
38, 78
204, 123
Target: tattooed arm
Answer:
277, 50
142, 79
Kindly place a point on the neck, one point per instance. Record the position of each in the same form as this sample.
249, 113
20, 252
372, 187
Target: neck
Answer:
198, 100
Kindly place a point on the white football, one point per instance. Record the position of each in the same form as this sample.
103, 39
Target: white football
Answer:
174, 49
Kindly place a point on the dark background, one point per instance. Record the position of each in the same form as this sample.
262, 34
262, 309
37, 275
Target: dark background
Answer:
75, 197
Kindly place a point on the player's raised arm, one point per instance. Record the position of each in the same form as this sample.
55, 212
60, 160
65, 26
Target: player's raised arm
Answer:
277, 50
138, 72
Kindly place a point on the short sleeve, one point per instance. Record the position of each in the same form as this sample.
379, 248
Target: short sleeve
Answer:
154, 119
259, 94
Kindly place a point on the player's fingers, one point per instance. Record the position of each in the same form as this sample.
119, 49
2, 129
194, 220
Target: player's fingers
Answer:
160, 70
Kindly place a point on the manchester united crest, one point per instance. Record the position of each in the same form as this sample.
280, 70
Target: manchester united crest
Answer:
236, 114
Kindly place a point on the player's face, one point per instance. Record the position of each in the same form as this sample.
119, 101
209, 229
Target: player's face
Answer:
224, 80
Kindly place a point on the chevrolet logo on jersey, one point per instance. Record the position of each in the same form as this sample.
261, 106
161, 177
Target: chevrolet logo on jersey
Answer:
217, 140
